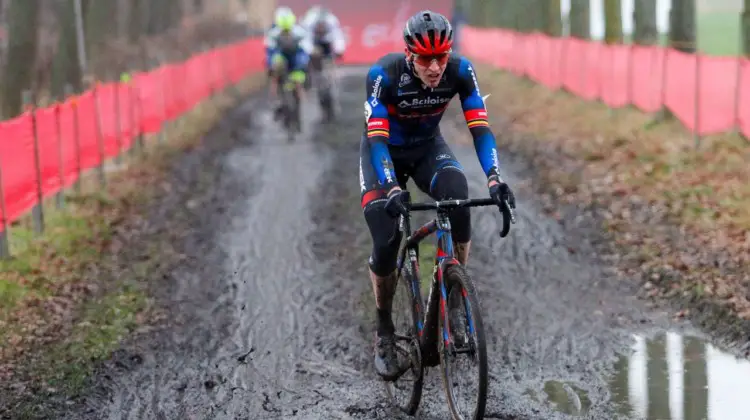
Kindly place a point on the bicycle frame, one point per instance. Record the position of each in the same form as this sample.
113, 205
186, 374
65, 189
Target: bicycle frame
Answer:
438, 297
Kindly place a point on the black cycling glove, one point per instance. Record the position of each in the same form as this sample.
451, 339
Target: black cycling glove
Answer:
501, 192
395, 205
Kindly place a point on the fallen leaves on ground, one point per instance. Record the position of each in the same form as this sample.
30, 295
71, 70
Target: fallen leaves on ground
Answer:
680, 217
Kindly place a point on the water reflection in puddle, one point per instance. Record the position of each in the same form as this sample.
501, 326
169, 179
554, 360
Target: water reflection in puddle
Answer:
673, 377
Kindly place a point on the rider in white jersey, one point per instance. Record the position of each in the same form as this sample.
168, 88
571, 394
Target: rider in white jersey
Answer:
326, 31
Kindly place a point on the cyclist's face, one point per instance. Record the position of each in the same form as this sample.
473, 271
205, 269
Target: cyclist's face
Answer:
429, 68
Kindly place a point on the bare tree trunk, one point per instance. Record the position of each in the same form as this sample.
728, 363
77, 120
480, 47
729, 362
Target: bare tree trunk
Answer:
505, 13
580, 19
163, 15
644, 17
745, 24
99, 31
612, 22
23, 17
530, 15
682, 26
478, 11
553, 21
65, 68
135, 20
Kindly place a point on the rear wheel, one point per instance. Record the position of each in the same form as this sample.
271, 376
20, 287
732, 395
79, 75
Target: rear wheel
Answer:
296, 106
464, 363
406, 391
325, 95
290, 111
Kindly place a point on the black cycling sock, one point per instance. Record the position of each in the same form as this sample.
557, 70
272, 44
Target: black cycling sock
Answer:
385, 323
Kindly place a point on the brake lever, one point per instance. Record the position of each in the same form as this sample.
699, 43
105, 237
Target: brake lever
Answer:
509, 217
399, 227
511, 211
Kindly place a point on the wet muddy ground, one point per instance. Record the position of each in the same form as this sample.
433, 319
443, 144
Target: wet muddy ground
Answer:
271, 310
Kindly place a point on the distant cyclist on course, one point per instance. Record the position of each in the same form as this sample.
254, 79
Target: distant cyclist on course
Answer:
325, 30
288, 49
407, 95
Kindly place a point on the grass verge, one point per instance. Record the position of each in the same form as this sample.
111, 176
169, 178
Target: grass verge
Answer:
678, 216
67, 301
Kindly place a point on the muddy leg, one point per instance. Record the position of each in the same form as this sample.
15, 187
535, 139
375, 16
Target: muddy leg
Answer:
462, 252
384, 288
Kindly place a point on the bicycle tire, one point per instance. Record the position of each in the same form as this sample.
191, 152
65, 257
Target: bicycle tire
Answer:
404, 286
287, 119
297, 107
457, 275
326, 103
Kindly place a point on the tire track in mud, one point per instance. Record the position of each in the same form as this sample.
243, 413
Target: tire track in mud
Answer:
263, 326
273, 313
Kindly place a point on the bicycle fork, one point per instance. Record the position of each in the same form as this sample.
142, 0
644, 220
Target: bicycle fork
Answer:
437, 300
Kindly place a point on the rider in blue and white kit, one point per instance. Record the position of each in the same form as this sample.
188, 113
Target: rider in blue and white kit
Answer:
288, 48
407, 95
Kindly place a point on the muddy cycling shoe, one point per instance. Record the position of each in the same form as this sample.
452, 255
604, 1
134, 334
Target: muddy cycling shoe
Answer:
386, 357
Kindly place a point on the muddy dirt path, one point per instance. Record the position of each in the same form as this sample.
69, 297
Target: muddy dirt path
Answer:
272, 308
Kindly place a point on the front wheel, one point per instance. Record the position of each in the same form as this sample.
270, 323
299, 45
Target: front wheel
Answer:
463, 360
406, 391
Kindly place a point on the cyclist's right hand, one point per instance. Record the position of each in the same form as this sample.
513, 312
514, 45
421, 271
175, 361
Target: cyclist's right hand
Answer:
395, 205
501, 192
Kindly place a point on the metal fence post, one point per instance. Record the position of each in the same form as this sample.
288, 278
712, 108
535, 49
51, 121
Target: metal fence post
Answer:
4, 246
99, 136
60, 196
118, 124
37, 213
127, 81
738, 97
137, 106
76, 137
165, 121
630, 94
696, 106
664, 72
225, 65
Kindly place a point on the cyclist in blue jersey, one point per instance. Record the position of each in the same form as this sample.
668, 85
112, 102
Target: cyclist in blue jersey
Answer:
288, 49
407, 95
278, 14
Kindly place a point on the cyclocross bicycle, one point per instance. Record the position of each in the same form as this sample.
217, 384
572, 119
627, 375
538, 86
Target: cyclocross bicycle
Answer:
434, 336
290, 107
323, 72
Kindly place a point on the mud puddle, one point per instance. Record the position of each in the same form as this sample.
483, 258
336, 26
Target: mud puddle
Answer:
667, 377
676, 377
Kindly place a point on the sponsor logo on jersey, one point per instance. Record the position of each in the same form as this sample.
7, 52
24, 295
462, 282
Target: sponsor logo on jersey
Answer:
362, 185
405, 80
474, 78
422, 102
376, 90
386, 170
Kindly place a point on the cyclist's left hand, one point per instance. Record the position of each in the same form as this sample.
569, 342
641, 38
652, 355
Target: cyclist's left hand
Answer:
394, 205
501, 192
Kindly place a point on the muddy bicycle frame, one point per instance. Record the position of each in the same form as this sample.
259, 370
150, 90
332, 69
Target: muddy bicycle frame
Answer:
444, 257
